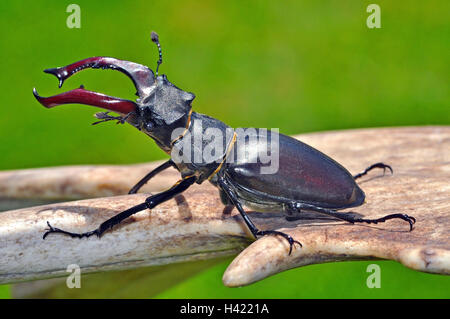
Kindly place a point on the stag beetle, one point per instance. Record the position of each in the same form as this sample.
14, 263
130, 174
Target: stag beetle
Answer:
306, 179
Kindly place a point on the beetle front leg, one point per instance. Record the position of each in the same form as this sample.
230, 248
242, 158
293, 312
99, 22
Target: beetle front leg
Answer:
296, 206
105, 117
149, 203
225, 186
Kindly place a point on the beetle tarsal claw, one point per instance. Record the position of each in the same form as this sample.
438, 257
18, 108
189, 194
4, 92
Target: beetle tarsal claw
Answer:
290, 240
53, 230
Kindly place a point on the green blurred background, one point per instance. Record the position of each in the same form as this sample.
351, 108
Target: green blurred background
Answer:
300, 66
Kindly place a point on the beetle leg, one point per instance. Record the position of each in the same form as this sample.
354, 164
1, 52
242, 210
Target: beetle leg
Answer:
150, 175
371, 167
105, 117
225, 186
149, 203
345, 216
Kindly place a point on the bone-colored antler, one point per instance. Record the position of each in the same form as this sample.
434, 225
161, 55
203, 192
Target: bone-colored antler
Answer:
196, 225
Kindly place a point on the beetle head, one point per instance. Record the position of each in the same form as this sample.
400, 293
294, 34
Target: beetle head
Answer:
166, 108
160, 107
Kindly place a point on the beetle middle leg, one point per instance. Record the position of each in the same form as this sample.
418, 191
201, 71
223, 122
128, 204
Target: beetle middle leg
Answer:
150, 175
297, 206
371, 167
225, 186
149, 203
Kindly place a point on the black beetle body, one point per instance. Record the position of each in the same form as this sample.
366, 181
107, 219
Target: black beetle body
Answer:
304, 175
304, 179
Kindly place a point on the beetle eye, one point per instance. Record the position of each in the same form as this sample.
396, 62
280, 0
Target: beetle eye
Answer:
148, 126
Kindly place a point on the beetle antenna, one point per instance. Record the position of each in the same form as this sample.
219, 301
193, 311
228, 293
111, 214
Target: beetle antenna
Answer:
155, 39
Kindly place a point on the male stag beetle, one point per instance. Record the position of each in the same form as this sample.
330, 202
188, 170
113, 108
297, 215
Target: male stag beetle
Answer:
304, 179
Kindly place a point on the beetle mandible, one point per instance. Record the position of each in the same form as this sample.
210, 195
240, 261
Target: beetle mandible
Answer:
306, 179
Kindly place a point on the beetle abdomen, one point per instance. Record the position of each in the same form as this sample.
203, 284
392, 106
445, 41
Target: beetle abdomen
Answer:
303, 174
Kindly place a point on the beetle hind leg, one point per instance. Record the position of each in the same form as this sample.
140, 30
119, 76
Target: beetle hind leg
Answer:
297, 206
371, 167
410, 219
